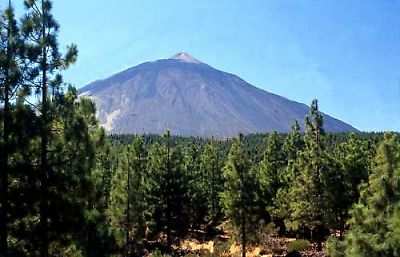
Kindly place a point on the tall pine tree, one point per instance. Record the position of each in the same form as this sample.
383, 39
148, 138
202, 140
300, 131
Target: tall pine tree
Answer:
167, 191
211, 169
308, 204
292, 146
238, 196
269, 175
128, 202
41, 31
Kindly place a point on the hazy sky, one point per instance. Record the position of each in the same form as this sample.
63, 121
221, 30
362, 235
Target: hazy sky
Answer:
344, 53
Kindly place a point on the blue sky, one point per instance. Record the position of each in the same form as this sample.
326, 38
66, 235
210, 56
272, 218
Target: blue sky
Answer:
344, 53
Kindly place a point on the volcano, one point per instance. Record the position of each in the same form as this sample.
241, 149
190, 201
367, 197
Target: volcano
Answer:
191, 98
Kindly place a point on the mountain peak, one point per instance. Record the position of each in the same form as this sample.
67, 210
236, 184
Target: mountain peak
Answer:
185, 57
192, 99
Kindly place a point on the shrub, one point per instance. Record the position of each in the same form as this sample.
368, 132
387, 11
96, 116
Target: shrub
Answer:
298, 245
335, 247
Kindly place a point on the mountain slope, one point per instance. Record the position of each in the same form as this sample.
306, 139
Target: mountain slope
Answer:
193, 99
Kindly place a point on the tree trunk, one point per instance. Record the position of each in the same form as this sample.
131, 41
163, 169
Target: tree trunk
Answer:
128, 225
243, 235
44, 246
169, 239
4, 175
5, 154
243, 215
44, 189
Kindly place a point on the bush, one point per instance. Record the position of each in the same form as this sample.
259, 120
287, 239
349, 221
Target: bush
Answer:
335, 247
298, 245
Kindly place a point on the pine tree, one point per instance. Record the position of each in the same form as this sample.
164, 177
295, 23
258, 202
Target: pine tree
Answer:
71, 157
98, 239
41, 31
239, 191
10, 80
291, 148
106, 164
168, 190
308, 195
117, 205
350, 170
128, 201
138, 194
211, 170
136, 208
196, 179
374, 222
269, 175
23, 190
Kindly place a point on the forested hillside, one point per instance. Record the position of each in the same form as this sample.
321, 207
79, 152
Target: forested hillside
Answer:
68, 189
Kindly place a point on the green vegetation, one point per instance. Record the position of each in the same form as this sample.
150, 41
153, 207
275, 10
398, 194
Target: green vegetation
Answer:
68, 189
298, 245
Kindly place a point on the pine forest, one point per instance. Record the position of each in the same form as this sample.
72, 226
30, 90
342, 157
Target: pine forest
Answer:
67, 188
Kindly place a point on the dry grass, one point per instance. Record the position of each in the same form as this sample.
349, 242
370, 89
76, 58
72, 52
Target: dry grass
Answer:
234, 250
195, 245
